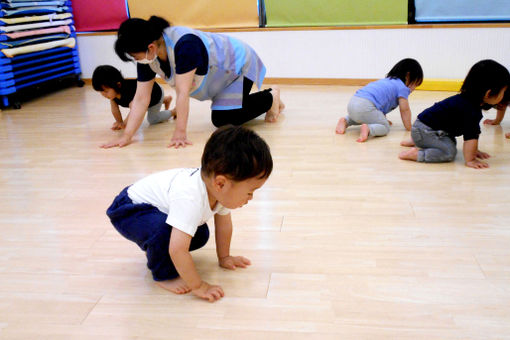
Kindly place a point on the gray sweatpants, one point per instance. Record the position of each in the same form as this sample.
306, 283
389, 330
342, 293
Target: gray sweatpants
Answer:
154, 113
435, 145
363, 111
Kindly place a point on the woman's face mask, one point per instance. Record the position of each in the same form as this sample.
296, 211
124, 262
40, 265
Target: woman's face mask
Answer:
146, 60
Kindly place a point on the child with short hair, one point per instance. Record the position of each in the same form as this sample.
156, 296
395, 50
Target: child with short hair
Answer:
111, 84
370, 104
434, 131
165, 213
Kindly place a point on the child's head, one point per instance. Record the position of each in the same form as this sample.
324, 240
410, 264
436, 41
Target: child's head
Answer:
486, 83
236, 161
107, 80
409, 71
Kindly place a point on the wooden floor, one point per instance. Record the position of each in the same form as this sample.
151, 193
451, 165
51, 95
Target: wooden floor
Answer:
346, 240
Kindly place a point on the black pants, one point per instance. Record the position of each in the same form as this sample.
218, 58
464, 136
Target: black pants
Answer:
254, 105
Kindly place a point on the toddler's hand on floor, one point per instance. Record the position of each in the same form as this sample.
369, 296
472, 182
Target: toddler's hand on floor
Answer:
476, 164
232, 262
209, 292
118, 126
482, 155
490, 122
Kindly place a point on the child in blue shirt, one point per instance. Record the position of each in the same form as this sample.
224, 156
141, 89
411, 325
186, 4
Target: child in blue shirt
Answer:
434, 131
108, 81
165, 213
370, 104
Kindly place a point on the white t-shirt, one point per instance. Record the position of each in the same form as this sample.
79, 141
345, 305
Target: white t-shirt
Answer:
179, 193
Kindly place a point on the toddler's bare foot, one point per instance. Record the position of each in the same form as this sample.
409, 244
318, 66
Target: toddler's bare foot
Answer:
177, 286
407, 142
507, 135
167, 100
174, 113
410, 155
274, 111
364, 132
341, 126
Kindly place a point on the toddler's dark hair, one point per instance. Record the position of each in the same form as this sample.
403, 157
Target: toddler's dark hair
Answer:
136, 34
407, 70
485, 75
237, 153
107, 76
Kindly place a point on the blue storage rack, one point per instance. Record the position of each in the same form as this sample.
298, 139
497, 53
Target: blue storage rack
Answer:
24, 72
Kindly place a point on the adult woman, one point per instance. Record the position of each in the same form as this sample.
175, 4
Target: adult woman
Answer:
199, 65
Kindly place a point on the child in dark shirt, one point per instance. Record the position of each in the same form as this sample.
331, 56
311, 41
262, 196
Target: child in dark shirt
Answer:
434, 131
109, 82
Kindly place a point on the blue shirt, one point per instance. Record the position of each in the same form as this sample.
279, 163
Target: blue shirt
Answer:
456, 115
384, 93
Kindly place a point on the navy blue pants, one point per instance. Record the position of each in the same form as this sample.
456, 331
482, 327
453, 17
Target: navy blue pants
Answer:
145, 225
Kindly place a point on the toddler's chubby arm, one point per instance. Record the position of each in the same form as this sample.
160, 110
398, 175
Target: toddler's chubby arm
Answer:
179, 253
405, 112
223, 232
471, 153
499, 115
119, 123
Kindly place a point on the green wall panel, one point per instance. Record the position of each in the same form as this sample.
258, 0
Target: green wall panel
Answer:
335, 12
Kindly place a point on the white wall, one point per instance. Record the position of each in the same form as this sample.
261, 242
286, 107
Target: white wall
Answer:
364, 53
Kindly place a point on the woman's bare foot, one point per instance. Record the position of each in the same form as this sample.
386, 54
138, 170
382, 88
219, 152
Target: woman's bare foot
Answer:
282, 106
274, 111
177, 286
341, 126
407, 142
167, 100
363, 134
410, 155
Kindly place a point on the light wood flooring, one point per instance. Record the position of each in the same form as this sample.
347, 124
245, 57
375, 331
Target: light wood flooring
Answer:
346, 240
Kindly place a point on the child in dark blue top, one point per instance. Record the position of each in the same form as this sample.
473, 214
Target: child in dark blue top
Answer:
109, 82
370, 104
434, 131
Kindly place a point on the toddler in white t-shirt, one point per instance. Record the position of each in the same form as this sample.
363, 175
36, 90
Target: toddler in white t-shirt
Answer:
165, 213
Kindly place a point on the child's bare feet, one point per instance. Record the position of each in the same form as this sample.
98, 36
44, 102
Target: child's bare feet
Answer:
410, 155
167, 100
407, 142
364, 132
341, 126
274, 111
174, 113
177, 286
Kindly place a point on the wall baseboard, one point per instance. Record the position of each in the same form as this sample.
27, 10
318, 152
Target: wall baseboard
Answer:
451, 85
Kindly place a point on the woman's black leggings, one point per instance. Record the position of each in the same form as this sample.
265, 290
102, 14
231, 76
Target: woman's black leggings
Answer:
254, 105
